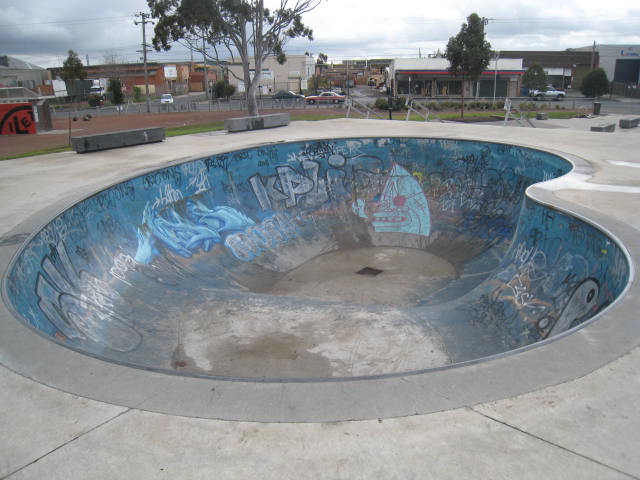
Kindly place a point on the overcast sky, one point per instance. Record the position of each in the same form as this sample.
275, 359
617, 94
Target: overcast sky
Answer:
41, 31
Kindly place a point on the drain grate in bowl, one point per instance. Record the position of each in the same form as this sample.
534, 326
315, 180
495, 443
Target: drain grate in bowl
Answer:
369, 271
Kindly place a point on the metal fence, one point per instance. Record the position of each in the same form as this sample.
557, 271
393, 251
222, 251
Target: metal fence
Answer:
627, 105
625, 90
186, 106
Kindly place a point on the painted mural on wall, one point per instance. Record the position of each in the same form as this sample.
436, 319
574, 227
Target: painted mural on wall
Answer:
215, 223
17, 118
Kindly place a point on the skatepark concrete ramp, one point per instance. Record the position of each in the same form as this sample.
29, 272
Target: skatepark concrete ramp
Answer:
332, 259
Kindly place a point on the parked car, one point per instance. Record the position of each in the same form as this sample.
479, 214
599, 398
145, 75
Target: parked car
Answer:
286, 95
166, 98
325, 97
550, 93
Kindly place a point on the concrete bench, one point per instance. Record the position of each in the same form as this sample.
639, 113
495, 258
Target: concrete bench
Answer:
604, 127
542, 116
124, 138
257, 123
629, 122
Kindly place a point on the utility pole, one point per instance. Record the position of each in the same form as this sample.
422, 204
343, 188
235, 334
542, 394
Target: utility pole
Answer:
495, 75
347, 62
143, 22
593, 55
204, 71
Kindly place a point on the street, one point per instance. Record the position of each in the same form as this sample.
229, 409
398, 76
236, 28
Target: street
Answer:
361, 94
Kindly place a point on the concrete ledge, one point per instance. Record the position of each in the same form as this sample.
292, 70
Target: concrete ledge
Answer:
542, 116
257, 123
124, 138
629, 122
605, 127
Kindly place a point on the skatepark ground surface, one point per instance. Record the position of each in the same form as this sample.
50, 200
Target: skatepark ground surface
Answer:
582, 426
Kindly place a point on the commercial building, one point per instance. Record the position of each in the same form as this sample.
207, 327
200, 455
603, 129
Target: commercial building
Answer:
565, 68
18, 73
621, 62
294, 74
430, 77
177, 78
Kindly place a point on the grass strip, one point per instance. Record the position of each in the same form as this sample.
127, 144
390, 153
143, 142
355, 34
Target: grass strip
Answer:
190, 129
44, 151
215, 126
497, 115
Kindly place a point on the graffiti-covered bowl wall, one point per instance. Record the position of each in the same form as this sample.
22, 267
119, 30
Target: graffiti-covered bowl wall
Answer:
320, 259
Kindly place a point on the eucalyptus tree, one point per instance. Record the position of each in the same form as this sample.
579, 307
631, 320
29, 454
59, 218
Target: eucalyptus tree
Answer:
468, 52
72, 68
221, 29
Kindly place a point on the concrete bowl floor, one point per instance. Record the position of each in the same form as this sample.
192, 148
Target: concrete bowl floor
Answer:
571, 402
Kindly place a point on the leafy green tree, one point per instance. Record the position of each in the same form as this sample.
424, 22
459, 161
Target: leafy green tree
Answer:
468, 52
243, 28
595, 83
223, 89
535, 78
115, 87
322, 61
72, 68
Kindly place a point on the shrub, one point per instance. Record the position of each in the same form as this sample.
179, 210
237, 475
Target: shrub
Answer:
480, 105
595, 83
137, 94
450, 105
223, 89
383, 104
94, 100
528, 106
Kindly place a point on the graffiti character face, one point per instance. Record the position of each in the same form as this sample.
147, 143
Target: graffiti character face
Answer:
403, 206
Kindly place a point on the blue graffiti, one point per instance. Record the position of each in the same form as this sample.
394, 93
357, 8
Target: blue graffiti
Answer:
199, 228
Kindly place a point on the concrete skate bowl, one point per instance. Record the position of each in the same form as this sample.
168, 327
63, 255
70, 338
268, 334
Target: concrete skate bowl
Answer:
318, 261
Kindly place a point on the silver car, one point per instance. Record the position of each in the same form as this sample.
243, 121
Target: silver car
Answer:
550, 94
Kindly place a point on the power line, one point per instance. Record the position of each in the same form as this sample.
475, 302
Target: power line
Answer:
526, 20
65, 22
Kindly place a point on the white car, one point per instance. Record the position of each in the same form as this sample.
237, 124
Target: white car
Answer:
549, 93
166, 98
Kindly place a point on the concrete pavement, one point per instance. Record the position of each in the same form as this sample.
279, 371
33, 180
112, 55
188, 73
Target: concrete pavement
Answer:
584, 427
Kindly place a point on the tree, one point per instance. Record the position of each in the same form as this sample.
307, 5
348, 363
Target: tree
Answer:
322, 61
468, 52
137, 94
222, 89
321, 65
242, 28
115, 87
595, 83
72, 68
535, 78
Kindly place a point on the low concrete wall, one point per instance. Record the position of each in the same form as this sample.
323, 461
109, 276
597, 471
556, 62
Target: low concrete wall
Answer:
629, 122
125, 138
605, 127
257, 123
